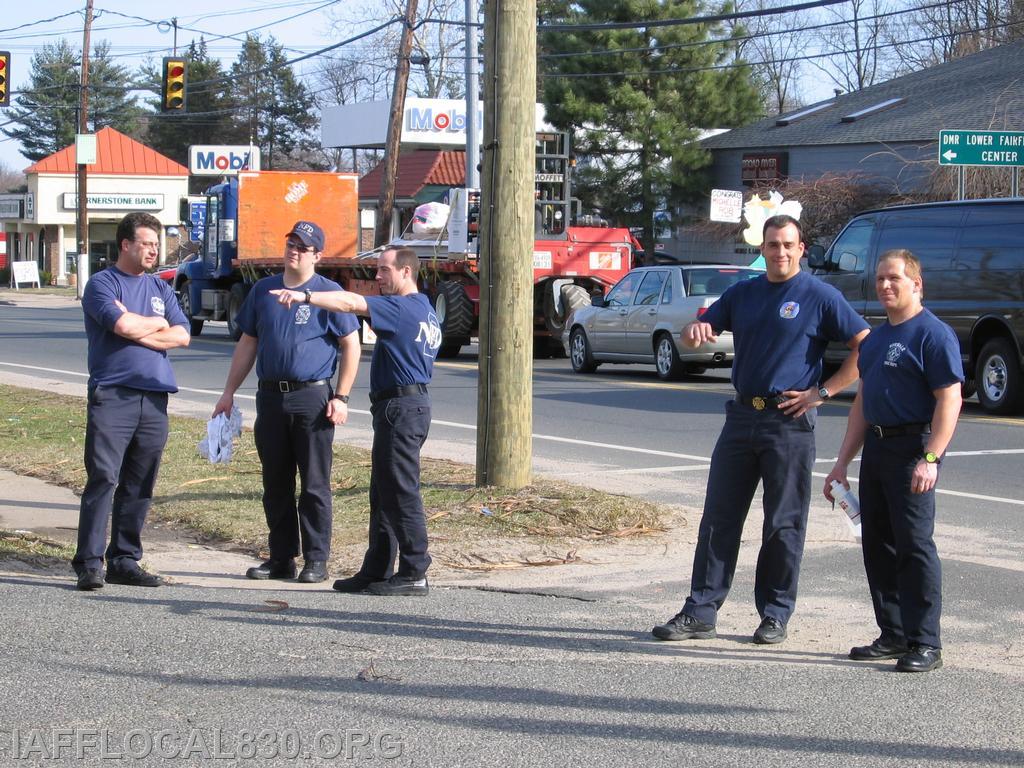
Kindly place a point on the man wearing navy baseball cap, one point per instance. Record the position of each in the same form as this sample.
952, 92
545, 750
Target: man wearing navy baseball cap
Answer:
310, 234
298, 403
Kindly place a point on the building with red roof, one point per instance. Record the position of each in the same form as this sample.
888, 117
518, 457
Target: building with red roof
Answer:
127, 176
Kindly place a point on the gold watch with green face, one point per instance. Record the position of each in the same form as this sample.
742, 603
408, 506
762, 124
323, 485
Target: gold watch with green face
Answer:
932, 458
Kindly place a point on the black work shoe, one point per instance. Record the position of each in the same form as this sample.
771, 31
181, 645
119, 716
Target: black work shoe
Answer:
135, 577
90, 579
273, 569
400, 586
770, 631
920, 658
354, 585
882, 648
313, 571
683, 627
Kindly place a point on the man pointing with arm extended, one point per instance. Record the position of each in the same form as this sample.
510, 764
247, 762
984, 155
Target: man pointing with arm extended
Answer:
781, 324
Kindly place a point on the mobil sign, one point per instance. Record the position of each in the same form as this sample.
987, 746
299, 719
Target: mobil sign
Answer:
222, 160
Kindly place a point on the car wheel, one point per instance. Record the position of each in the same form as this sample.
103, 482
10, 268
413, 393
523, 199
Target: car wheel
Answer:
998, 378
666, 359
235, 299
580, 356
185, 301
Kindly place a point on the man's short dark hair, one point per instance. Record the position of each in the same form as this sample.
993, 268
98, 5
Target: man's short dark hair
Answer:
130, 223
406, 257
780, 221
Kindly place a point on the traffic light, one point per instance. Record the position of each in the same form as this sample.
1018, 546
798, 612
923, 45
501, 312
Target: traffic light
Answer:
173, 93
5, 76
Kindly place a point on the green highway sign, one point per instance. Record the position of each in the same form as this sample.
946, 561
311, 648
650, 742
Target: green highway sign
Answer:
990, 148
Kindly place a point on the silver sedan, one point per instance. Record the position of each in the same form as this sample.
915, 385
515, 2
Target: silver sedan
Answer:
642, 317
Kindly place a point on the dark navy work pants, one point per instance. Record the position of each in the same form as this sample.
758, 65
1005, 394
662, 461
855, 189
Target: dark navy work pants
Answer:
292, 434
397, 523
900, 558
755, 446
125, 434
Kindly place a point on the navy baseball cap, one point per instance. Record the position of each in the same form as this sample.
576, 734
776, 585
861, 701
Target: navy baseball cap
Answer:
309, 233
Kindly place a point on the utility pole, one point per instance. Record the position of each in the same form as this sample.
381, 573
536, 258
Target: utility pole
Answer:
472, 99
386, 200
82, 218
505, 400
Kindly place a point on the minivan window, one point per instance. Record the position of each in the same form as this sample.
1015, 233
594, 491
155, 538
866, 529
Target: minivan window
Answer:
850, 250
993, 238
650, 288
930, 235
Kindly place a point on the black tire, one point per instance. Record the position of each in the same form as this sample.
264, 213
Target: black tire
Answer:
235, 298
573, 297
454, 311
580, 355
967, 389
666, 358
998, 378
185, 302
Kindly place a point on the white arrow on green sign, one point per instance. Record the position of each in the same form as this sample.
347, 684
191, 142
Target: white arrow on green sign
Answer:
987, 148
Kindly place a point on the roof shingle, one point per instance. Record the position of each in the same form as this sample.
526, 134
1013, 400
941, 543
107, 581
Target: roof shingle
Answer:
116, 154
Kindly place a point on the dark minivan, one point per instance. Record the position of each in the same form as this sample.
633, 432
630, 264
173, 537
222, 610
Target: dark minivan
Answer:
972, 261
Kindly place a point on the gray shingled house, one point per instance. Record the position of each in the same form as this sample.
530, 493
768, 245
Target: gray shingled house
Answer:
877, 133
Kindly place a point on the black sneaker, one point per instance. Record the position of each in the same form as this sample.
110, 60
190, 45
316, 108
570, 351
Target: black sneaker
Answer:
273, 569
354, 585
683, 627
920, 658
400, 586
313, 571
134, 577
882, 648
90, 579
770, 632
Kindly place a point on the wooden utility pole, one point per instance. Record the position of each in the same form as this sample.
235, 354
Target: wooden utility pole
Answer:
386, 200
82, 217
505, 400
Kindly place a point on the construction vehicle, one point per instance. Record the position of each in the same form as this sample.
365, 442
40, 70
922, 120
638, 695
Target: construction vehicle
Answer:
249, 215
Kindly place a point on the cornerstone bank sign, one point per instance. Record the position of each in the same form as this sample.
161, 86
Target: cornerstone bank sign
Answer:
115, 201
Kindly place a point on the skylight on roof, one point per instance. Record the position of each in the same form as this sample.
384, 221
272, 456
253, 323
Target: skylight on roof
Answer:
872, 110
790, 119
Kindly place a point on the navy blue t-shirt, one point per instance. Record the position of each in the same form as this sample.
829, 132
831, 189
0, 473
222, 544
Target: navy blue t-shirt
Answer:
115, 361
408, 337
902, 365
299, 343
780, 331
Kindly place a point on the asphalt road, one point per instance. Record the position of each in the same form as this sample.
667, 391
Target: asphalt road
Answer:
472, 677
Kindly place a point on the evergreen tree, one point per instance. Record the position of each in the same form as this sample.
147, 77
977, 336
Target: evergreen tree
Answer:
46, 115
636, 122
276, 111
209, 116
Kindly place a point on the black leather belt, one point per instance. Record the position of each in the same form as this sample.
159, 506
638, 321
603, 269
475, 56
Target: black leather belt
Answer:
760, 402
900, 430
403, 391
290, 386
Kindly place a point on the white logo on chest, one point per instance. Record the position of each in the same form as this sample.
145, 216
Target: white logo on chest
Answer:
789, 310
893, 355
302, 314
157, 304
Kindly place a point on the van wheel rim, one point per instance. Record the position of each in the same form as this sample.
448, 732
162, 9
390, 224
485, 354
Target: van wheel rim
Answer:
994, 380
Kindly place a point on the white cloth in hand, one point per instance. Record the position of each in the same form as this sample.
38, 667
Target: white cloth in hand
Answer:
221, 431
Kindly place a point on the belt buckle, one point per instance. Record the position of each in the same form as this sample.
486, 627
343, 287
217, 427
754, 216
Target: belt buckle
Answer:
758, 403
877, 430
284, 387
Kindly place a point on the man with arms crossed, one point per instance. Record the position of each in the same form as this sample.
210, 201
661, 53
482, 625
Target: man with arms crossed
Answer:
904, 416
408, 337
781, 323
131, 320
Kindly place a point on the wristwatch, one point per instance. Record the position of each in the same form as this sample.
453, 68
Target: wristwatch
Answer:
823, 393
309, 296
343, 398
932, 458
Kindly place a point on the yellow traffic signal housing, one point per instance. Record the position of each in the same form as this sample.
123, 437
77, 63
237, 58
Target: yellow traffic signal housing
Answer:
5, 78
173, 92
